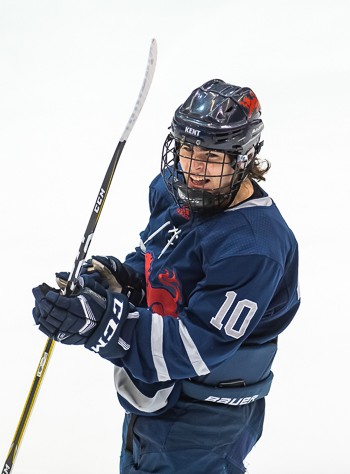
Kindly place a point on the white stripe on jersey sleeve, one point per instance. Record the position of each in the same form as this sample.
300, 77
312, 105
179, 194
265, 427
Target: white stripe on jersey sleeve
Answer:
157, 348
128, 390
192, 351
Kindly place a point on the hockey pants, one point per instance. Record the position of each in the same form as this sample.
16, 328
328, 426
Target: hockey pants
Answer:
194, 437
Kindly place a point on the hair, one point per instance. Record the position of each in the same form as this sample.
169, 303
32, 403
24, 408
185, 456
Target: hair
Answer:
259, 168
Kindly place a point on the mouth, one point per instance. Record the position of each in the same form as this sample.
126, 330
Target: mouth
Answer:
197, 182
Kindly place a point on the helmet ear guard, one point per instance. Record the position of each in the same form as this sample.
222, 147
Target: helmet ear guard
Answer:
258, 147
241, 162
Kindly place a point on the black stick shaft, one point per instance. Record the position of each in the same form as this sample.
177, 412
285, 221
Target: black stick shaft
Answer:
95, 215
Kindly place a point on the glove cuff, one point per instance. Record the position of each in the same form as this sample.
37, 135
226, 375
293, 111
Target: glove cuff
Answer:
106, 340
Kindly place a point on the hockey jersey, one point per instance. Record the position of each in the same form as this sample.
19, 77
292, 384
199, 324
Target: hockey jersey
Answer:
214, 285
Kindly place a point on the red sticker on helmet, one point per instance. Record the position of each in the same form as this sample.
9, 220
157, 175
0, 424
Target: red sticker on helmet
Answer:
250, 103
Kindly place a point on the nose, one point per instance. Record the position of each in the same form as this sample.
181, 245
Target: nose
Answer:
197, 164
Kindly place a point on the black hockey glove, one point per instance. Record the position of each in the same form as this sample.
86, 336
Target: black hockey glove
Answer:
89, 317
117, 277
114, 276
93, 280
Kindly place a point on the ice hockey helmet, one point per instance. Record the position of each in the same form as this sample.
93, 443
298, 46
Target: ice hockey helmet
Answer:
216, 116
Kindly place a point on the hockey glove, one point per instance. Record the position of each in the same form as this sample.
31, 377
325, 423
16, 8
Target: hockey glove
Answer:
114, 275
88, 317
117, 277
92, 279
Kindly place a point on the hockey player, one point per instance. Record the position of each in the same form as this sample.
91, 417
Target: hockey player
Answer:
190, 320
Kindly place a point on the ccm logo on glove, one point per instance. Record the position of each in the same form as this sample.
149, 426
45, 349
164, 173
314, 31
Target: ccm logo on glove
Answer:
111, 326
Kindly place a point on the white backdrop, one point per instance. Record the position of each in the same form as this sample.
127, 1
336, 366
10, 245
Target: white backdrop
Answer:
70, 74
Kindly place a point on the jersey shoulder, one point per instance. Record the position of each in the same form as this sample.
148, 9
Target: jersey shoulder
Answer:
254, 228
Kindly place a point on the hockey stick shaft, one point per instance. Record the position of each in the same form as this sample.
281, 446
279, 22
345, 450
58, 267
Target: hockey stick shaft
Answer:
27, 409
96, 212
82, 252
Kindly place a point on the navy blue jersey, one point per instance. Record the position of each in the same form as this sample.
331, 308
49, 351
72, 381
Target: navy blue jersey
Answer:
213, 283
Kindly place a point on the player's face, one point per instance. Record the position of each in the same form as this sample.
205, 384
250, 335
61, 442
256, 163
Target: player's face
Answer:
205, 169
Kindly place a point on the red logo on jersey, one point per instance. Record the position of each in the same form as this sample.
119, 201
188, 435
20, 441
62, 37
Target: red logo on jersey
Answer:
184, 212
251, 103
164, 300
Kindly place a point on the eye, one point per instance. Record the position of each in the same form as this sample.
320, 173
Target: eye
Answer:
214, 157
187, 147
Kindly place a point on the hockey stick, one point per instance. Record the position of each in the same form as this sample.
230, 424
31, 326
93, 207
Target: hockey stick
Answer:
83, 249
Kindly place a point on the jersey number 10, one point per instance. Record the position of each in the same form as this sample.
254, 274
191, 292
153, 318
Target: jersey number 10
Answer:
237, 309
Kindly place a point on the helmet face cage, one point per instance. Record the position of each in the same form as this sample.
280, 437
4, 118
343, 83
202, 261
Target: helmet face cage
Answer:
202, 179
